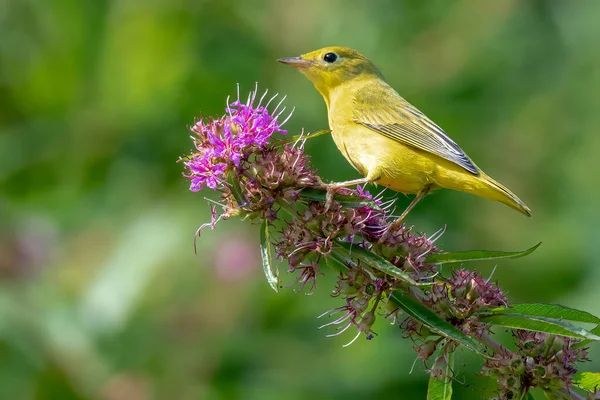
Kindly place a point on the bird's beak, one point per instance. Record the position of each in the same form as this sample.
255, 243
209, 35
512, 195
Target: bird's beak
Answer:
297, 62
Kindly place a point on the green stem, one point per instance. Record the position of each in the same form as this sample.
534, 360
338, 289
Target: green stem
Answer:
497, 347
571, 394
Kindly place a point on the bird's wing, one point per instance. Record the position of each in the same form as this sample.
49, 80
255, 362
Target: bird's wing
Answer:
380, 108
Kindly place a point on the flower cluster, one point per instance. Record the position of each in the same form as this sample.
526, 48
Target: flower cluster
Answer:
317, 228
233, 156
465, 295
542, 360
224, 143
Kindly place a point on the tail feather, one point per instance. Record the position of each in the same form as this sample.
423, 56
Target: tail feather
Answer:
500, 193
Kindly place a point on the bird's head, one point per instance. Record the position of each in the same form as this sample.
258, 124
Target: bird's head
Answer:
329, 67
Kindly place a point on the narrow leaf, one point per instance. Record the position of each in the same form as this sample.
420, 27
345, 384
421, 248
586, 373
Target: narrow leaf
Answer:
374, 261
583, 343
270, 269
345, 200
539, 324
476, 255
589, 381
285, 206
236, 190
440, 388
554, 311
430, 319
339, 261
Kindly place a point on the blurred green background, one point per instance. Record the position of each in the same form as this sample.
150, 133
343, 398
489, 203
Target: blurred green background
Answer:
101, 295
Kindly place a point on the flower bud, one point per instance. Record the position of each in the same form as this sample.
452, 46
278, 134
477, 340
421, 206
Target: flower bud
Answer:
439, 367
388, 251
296, 258
344, 287
423, 331
426, 349
234, 128
367, 320
313, 224
539, 371
360, 304
472, 290
359, 280
370, 289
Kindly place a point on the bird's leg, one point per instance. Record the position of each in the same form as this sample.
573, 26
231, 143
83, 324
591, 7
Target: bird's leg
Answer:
412, 205
332, 187
302, 136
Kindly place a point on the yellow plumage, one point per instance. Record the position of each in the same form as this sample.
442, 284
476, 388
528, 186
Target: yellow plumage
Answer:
385, 138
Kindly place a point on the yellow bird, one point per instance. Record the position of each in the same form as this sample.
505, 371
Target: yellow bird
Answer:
385, 138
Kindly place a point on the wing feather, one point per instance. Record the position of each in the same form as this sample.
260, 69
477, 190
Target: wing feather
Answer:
397, 119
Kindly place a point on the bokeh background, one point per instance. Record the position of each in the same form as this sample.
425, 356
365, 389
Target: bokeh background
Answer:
101, 294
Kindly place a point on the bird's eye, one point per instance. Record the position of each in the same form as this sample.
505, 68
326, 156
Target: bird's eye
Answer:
330, 57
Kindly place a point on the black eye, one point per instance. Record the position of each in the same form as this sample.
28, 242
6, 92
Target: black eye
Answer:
330, 57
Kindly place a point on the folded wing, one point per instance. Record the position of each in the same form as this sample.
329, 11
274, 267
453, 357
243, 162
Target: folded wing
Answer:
381, 109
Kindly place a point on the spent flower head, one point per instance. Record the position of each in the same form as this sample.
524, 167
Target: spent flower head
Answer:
542, 360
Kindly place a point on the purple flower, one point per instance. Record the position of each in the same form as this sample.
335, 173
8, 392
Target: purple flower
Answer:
353, 314
224, 144
204, 173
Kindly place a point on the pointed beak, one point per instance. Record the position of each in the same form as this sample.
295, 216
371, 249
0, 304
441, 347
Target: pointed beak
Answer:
297, 62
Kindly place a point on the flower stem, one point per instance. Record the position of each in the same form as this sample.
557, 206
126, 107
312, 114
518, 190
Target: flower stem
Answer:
497, 347
571, 394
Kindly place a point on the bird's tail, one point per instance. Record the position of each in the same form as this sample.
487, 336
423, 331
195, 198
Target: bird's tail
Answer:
495, 191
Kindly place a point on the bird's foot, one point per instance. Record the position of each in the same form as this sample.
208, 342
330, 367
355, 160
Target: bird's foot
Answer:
390, 229
331, 188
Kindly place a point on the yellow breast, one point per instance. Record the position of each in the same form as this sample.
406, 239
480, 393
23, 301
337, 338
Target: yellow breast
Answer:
399, 167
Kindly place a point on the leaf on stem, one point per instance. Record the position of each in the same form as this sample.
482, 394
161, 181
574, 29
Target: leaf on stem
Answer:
555, 311
270, 269
589, 381
539, 324
583, 343
477, 255
440, 388
430, 319
236, 190
374, 261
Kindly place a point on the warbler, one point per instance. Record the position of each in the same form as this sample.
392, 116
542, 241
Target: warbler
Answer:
385, 138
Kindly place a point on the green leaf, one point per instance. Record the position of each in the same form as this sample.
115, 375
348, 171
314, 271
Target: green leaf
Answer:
538, 324
340, 261
271, 271
430, 319
554, 394
285, 206
345, 200
236, 190
374, 261
441, 388
476, 255
583, 343
589, 381
554, 311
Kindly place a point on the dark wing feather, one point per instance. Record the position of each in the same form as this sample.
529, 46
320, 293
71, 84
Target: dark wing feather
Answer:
397, 119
